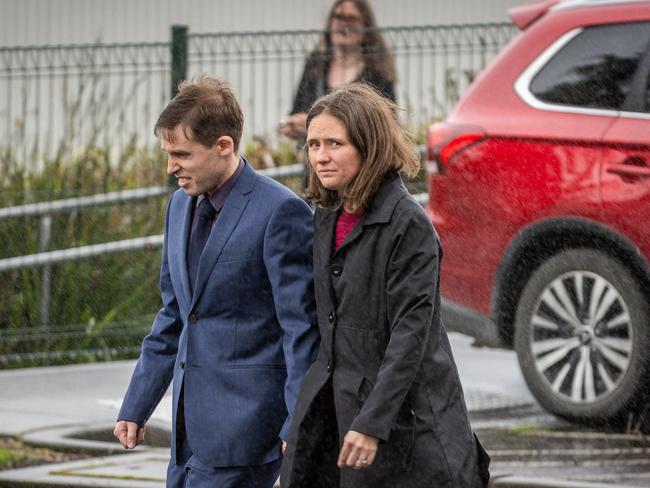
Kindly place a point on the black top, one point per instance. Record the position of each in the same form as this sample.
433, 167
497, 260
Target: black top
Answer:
313, 83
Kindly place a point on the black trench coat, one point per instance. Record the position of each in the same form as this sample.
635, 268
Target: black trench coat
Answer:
385, 366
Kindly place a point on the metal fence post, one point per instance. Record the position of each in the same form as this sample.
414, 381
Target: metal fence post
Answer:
179, 56
45, 233
178, 67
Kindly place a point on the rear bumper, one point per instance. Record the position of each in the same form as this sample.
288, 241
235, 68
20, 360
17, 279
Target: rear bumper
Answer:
461, 319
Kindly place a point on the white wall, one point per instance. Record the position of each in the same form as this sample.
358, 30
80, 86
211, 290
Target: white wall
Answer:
25, 22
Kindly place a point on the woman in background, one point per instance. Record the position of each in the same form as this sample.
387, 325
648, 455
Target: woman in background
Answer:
351, 50
382, 405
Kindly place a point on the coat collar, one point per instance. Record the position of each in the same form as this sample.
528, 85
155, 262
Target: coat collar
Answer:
383, 203
227, 220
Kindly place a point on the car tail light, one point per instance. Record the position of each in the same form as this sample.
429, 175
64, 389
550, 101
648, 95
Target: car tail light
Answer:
447, 140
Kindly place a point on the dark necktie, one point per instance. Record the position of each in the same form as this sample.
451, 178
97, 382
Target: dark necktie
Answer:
201, 227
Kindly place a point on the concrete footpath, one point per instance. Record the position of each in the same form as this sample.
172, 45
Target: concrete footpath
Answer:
74, 408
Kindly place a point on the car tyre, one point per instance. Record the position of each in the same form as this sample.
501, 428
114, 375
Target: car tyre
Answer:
581, 336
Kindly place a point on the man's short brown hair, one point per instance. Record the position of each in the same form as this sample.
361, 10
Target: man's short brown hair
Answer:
373, 129
207, 109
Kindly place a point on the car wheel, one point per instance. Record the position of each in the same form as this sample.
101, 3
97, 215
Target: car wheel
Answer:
581, 336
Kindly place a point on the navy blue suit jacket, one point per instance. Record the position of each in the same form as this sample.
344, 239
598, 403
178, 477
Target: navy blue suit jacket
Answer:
242, 343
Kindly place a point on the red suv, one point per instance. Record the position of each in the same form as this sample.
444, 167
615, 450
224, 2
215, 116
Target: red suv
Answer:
539, 185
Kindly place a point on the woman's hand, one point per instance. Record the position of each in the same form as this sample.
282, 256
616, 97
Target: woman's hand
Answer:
294, 126
358, 450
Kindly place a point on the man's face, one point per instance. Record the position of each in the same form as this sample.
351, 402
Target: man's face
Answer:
197, 168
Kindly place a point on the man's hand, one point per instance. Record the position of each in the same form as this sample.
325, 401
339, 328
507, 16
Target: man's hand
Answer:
284, 447
128, 433
358, 451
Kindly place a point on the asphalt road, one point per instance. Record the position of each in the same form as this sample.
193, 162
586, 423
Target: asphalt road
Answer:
40, 397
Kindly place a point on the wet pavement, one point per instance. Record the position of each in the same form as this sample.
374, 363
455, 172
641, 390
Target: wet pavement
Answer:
74, 407
570, 454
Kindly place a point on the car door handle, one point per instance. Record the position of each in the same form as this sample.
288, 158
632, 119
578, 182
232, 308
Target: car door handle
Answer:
634, 167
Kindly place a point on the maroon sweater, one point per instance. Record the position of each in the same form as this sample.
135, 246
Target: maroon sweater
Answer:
344, 225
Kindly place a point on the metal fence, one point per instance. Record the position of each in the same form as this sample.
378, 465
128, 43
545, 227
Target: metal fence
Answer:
434, 64
61, 99
78, 278
87, 301
58, 99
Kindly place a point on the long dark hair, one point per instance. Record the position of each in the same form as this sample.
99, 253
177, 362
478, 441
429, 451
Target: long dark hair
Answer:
376, 56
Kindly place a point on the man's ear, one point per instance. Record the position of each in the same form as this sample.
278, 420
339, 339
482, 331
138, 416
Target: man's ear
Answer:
225, 145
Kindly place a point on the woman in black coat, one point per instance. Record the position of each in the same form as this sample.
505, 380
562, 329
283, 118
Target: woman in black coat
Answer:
382, 406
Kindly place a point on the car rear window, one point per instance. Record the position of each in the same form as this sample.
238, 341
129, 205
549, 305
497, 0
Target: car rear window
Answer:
595, 69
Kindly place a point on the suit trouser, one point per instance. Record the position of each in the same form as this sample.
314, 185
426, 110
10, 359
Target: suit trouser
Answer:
194, 474
188, 472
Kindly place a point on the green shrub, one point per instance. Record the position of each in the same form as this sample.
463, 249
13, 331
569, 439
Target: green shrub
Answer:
94, 302
100, 307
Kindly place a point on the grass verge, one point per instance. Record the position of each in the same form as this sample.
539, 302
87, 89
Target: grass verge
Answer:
15, 454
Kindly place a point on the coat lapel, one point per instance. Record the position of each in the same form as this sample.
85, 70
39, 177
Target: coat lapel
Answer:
227, 220
183, 238
381, 208
324, 226
352, 236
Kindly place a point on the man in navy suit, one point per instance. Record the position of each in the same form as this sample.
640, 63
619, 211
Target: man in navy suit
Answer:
236, 332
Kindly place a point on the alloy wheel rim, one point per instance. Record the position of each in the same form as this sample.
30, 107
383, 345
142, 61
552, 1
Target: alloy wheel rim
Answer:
581, 337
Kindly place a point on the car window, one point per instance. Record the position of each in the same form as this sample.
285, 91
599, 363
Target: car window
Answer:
595, 69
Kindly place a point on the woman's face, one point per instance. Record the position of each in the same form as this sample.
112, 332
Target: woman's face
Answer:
346, 26
335, 160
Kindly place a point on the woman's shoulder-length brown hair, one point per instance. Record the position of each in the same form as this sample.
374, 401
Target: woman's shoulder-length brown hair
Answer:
372, 127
